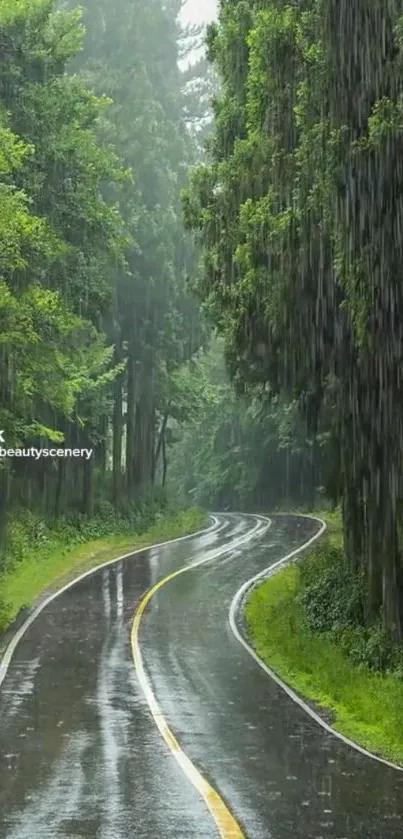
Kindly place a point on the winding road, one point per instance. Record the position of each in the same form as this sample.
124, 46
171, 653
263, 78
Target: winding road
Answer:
125, 717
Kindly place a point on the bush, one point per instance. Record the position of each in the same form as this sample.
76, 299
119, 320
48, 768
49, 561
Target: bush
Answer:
5, 612
331, 597
330, 594
370, 647
26, 531
362, 705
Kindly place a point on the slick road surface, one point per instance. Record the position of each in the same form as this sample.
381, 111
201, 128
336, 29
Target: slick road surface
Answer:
127, 715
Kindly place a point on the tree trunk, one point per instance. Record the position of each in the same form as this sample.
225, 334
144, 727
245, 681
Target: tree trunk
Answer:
131, 410
373, 551
164, 461
352, 498
353, 524
100, 452
390, 588
60, 486
117, 433
391, 563
5, 485
88, 487
144, 444
161, 438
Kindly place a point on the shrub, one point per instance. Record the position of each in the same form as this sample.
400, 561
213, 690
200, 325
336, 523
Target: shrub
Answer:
26, 531
5, 612
331, 598
330, 593
370, 647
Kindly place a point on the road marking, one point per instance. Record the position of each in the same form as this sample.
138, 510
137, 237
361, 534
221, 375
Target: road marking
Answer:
234, 610
10, 649
226, 823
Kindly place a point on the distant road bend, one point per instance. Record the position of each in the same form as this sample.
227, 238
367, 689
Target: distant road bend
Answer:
129, 710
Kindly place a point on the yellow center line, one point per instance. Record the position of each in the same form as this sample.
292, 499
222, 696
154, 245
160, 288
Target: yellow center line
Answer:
227, 825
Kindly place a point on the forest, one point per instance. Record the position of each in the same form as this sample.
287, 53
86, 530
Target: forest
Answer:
96, 318
199, 266
298, 214
104, 344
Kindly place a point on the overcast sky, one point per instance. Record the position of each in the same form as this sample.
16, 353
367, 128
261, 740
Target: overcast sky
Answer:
199, 11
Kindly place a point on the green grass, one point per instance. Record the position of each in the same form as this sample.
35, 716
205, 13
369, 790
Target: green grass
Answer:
334, 525
37, 574
364, 706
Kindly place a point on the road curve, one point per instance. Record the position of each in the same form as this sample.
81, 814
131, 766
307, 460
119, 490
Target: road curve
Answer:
81, 756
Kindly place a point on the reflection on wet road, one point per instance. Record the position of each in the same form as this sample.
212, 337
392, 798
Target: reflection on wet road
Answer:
81, 757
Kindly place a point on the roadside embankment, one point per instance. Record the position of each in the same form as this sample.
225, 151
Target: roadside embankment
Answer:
304, 623
45, 569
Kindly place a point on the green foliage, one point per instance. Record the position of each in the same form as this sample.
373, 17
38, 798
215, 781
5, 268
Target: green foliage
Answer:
298, 214
370, 647
331, 595
96, 318
361, 704
41, 554
97, 324
241, 453
26, 532
58, 234
332, 602
5, 613
133, 57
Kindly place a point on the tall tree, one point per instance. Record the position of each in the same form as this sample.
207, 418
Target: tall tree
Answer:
60, 238
131, 51
299, 217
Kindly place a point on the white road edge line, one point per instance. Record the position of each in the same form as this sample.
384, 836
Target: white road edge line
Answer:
10, 649
235, 608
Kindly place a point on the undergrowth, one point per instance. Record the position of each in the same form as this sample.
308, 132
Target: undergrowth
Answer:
332, 599
36, 550
364, 705
307, 622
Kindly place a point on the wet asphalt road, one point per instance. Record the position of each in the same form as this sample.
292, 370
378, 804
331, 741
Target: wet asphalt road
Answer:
81, 758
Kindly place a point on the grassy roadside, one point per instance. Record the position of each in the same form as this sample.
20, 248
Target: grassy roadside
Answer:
37, 575
366, 707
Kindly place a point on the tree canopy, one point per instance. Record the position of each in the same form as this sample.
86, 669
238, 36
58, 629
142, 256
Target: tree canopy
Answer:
94, 258
299, 213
